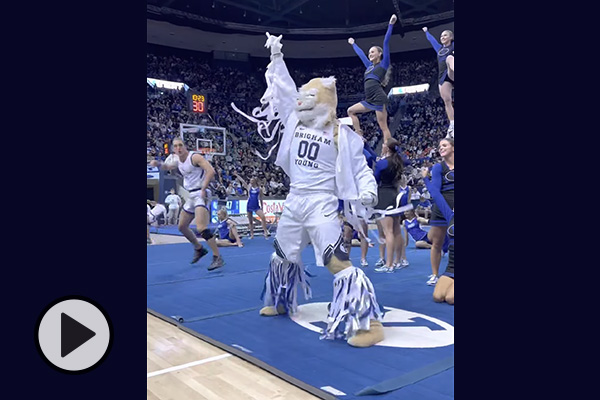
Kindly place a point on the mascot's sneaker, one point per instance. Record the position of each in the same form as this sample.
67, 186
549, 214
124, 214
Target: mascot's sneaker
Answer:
198, 254
270, 311
368, 338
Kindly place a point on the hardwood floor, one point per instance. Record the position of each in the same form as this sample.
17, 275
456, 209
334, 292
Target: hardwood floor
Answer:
228, 378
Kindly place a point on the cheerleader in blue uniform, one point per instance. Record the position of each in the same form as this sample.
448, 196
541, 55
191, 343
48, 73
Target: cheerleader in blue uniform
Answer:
442, 180
420, 236
254, 205
388, 174
444, 287
228, 234
377, 76
445, 53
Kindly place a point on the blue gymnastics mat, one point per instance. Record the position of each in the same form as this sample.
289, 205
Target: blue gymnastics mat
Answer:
174, 230
415, 361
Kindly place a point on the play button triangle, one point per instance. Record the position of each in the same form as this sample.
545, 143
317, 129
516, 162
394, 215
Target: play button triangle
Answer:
72, 335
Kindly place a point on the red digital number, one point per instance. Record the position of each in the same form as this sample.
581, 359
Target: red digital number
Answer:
198, 106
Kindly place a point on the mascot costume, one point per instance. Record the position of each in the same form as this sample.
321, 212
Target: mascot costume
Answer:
325, 162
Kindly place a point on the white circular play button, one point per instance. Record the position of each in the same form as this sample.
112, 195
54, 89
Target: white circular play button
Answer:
74, 334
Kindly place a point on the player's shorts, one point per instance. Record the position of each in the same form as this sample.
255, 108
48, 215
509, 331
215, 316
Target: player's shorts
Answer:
375, 97
445, 78
424, 238
389, 200
308, 217
252, 206
437, 218
386, 198
227, 237
195, 200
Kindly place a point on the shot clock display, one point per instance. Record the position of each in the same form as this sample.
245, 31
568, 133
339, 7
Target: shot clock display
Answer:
196, 102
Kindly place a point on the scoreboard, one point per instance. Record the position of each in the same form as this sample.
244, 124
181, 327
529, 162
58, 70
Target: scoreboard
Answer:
196, 102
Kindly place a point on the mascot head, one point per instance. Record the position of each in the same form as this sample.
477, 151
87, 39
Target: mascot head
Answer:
317, 102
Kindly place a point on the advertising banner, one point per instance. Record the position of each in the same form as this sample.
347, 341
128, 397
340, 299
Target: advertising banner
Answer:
238, 207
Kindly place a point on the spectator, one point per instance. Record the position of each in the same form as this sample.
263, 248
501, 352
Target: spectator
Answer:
174, 202
415, 197
424, 208
419, 121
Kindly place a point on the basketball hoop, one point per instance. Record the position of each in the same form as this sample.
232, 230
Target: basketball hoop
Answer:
208, 154
207, 140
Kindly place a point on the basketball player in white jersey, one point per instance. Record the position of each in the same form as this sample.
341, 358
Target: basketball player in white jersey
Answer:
155, 212
324, 161
197, 173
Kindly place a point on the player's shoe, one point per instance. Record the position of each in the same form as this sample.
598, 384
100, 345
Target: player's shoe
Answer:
384, 268
364, 263
380, 263
401, 265
217, 262
432, 280
198, 254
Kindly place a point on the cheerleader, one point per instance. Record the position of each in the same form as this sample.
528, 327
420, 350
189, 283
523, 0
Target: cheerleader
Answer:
388, 174
445, 53
442, 180
228, 234
376, 78
254, 205
444, 287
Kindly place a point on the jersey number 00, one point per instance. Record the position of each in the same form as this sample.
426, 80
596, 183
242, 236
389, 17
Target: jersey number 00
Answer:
310, 151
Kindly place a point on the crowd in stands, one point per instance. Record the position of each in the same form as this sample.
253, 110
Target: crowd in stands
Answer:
421, 120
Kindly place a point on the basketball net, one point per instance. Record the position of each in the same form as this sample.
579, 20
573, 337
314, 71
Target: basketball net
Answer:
207, 153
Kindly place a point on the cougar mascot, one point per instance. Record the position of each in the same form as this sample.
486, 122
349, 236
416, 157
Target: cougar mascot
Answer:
325, 162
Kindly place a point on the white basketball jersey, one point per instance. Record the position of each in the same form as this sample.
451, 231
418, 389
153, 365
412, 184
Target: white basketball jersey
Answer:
313, 154
159, 210
193, 177
173, 201
156, 212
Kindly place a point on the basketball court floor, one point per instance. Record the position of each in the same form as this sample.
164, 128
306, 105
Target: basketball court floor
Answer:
206, 339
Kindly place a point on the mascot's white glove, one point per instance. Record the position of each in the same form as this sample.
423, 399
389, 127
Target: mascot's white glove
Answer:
274, 43
368, 199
